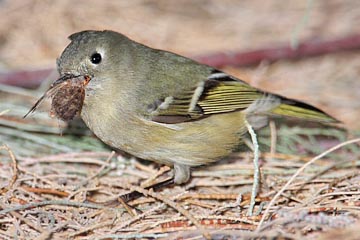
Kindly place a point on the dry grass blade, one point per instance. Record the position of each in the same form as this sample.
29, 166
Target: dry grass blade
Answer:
14, 167
172, 204
259, 228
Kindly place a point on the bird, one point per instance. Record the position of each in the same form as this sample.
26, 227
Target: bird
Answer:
158, 105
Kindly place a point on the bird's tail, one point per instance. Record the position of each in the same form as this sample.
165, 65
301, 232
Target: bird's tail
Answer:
298, 109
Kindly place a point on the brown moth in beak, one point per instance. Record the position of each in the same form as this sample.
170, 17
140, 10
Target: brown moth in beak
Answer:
67, 97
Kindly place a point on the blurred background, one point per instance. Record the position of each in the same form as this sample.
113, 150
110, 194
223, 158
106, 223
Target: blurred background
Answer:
33, 34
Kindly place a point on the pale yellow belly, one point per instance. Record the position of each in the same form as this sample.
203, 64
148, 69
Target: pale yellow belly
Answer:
190, 143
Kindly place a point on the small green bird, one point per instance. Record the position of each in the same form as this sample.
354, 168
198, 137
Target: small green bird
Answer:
160, 106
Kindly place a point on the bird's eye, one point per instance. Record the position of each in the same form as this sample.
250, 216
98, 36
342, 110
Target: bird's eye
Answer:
96, 58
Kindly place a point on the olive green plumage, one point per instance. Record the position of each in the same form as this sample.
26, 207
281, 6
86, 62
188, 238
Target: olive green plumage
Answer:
164, 107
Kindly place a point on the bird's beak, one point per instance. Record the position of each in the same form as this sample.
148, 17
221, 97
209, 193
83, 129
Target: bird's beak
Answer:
84, 78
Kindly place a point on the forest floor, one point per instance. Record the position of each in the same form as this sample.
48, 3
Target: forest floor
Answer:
57, 180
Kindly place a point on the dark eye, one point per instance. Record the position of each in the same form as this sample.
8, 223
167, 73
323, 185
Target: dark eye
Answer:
96, 58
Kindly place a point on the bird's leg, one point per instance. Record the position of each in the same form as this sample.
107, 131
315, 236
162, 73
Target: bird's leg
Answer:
181, 173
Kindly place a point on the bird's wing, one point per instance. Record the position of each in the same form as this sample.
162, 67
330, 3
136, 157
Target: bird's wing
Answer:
219, 93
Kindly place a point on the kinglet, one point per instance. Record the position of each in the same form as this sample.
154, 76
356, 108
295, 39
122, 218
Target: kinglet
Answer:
160, 106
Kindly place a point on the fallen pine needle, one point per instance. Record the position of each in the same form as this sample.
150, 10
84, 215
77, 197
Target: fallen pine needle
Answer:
259, 227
